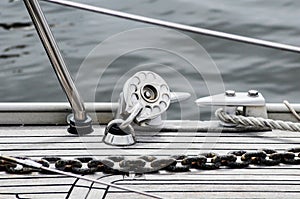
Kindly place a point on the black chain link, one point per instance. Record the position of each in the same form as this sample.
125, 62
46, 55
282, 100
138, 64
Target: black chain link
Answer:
214, 163
150, 164
271, 159
13, 168
238, 163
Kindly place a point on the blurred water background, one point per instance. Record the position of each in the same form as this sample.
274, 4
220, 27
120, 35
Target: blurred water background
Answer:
26, 74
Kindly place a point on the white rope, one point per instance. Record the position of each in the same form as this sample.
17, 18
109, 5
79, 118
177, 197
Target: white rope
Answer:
293, 111
257, 121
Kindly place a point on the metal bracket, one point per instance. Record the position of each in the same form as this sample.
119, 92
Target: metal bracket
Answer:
152, 93
145, 97
252, 103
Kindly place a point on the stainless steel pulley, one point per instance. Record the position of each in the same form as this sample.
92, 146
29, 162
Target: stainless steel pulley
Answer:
146, 93
145, 97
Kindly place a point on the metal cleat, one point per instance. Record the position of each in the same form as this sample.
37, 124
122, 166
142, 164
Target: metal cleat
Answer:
250, 103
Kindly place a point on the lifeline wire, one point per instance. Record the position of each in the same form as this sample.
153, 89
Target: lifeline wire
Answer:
177, 26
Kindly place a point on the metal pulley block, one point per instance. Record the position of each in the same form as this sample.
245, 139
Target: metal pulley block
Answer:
147, 94
145, 97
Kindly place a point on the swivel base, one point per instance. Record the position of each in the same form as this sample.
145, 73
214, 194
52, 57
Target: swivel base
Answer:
80, 127
118, 137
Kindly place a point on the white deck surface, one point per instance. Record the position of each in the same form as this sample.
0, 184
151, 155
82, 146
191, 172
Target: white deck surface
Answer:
282, 181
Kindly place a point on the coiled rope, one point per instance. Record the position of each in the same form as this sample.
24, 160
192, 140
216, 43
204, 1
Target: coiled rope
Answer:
256, 121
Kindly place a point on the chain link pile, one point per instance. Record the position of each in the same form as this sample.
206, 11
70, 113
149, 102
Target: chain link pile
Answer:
119, 165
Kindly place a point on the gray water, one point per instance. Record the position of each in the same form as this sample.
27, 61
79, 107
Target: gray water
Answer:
26, 74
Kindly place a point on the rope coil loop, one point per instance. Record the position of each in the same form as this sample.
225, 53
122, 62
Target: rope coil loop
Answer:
256, 121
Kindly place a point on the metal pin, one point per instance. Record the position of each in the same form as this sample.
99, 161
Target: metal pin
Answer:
230, 93
253, 93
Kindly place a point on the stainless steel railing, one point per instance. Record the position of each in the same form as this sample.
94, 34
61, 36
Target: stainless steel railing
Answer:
79, 118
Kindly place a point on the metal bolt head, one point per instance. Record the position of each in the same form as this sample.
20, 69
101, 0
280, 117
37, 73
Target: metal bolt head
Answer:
253, 93
230, 93
147, 94
150, 93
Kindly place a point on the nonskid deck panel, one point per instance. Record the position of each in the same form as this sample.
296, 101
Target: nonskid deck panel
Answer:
253, 182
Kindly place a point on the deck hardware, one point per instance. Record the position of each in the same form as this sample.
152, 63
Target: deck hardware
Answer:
252, 103
143, 100
149, 93
147, 96
253, 93
80, 122
116, 136
230, 93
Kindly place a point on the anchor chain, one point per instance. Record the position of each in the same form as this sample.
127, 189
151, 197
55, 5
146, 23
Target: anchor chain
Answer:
119, 165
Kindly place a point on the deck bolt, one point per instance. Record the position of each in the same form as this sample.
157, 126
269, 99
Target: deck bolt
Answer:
230, 93
253, 93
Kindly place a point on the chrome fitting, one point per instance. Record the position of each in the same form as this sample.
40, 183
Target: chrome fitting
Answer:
116, 136
150, 93
80, 127
253, 93
250, 103
145, 97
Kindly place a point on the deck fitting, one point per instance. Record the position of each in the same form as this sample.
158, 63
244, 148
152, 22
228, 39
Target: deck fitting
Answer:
80, 127
116, 136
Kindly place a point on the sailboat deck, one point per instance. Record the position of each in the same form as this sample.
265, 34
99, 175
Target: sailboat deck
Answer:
252, 182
